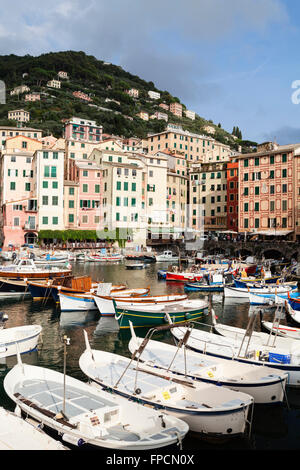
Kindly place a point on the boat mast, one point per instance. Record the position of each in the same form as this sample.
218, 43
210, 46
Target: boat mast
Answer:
66, 342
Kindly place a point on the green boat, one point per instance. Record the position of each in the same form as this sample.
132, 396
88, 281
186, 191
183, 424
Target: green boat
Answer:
155, 315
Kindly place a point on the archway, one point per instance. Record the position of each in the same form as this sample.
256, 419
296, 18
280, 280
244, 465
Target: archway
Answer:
30, 238
272, 254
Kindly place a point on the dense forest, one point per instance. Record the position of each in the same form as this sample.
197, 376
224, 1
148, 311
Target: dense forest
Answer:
106, 85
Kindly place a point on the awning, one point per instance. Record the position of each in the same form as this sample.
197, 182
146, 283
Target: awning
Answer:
274, 233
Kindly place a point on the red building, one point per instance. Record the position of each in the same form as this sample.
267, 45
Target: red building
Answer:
233, 195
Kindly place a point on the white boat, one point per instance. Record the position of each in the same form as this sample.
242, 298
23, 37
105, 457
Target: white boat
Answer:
23, 337
282, 330
259, 382
87, 301
244, 293
294, 315
26, 268
106, 305
19, 434
101, 258
167, 256
85, 415
242, 347
212, 411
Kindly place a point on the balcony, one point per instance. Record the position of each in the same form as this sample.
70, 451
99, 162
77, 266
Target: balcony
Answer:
30, 226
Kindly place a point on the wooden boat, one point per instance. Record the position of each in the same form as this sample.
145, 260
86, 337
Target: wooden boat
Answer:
155, 315
260, 383
106, 306
215, 283
282, 330
244, 293
68, 284
242, 348
19, 434
23, 337
212, 411
77, 301
85, 416
161, 274
26, 269
294, 301
292, 314
104, 258
135, 266
183, 276
245, 282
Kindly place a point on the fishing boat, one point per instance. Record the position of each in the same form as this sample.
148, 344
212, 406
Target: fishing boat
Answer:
161, 274
106, 305
184, 276
101, 258
88, 301
135, 266
211, 411
50, 288
167, 256
294, 300
27, 269
261, 383
266, 290
152, 315
281, 330
82, 415
240, 346
19, 434
23, 337
292, 314
213, 283
245, 282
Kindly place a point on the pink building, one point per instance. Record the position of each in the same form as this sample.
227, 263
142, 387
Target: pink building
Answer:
18, 204
82, 96
33, 97
82, 129
87, 175
176, 109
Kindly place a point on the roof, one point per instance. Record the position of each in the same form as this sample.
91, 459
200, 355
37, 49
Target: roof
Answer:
279, 149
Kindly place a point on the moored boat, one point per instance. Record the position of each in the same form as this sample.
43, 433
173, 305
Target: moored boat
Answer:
23, 338
261, 383
211, 411
85, 416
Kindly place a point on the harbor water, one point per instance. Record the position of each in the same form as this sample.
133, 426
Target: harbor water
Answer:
275, 427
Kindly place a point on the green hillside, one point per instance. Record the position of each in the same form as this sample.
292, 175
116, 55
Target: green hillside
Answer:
99, 80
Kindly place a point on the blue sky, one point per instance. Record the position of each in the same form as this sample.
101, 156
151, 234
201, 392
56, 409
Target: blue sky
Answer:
232, 61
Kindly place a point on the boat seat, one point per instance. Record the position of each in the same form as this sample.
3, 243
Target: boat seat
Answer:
119, 433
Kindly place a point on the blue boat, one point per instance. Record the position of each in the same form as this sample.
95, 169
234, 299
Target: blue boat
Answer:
198, 287
245, 283
161, 274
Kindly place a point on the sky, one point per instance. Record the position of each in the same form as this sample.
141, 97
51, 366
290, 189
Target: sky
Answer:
233, 61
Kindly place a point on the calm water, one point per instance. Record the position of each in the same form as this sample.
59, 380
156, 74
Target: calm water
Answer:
274, 427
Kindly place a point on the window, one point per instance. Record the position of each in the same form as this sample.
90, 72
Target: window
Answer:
246, 207
12, 185
284, 188
53, 172
256, 207
24, 145
256, 223
45, 220
55, 220
257, 190
54, 200
284, 205
284, 158
272, 206
133, 186
125, 201
118, 201
97, 188
16, 221
45, 200
272, 189
46, 171
45, 155
55, 155
256, 162
85, 173
85, 188
71, 191
284, 222
284, 173
54, 185
272, 174
246, 162
117, 216
45, 184
272, 160
133, 202
71, 204
246, 177
118, 185
246, 191
246, 223
71, 218
27, 186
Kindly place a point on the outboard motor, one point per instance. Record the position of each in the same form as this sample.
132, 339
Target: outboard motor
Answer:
3, 319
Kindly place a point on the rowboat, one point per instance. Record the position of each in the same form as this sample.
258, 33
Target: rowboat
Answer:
245, 282
243, 348
19, 434
294, 315
183, 276
23, 337
282, 330
135, 266
27, 269
212, 411
83, 415
106, 305
70, 301
214, 283
244, 293
104, 258
294, 301
261, 383
50, 288
155, 315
